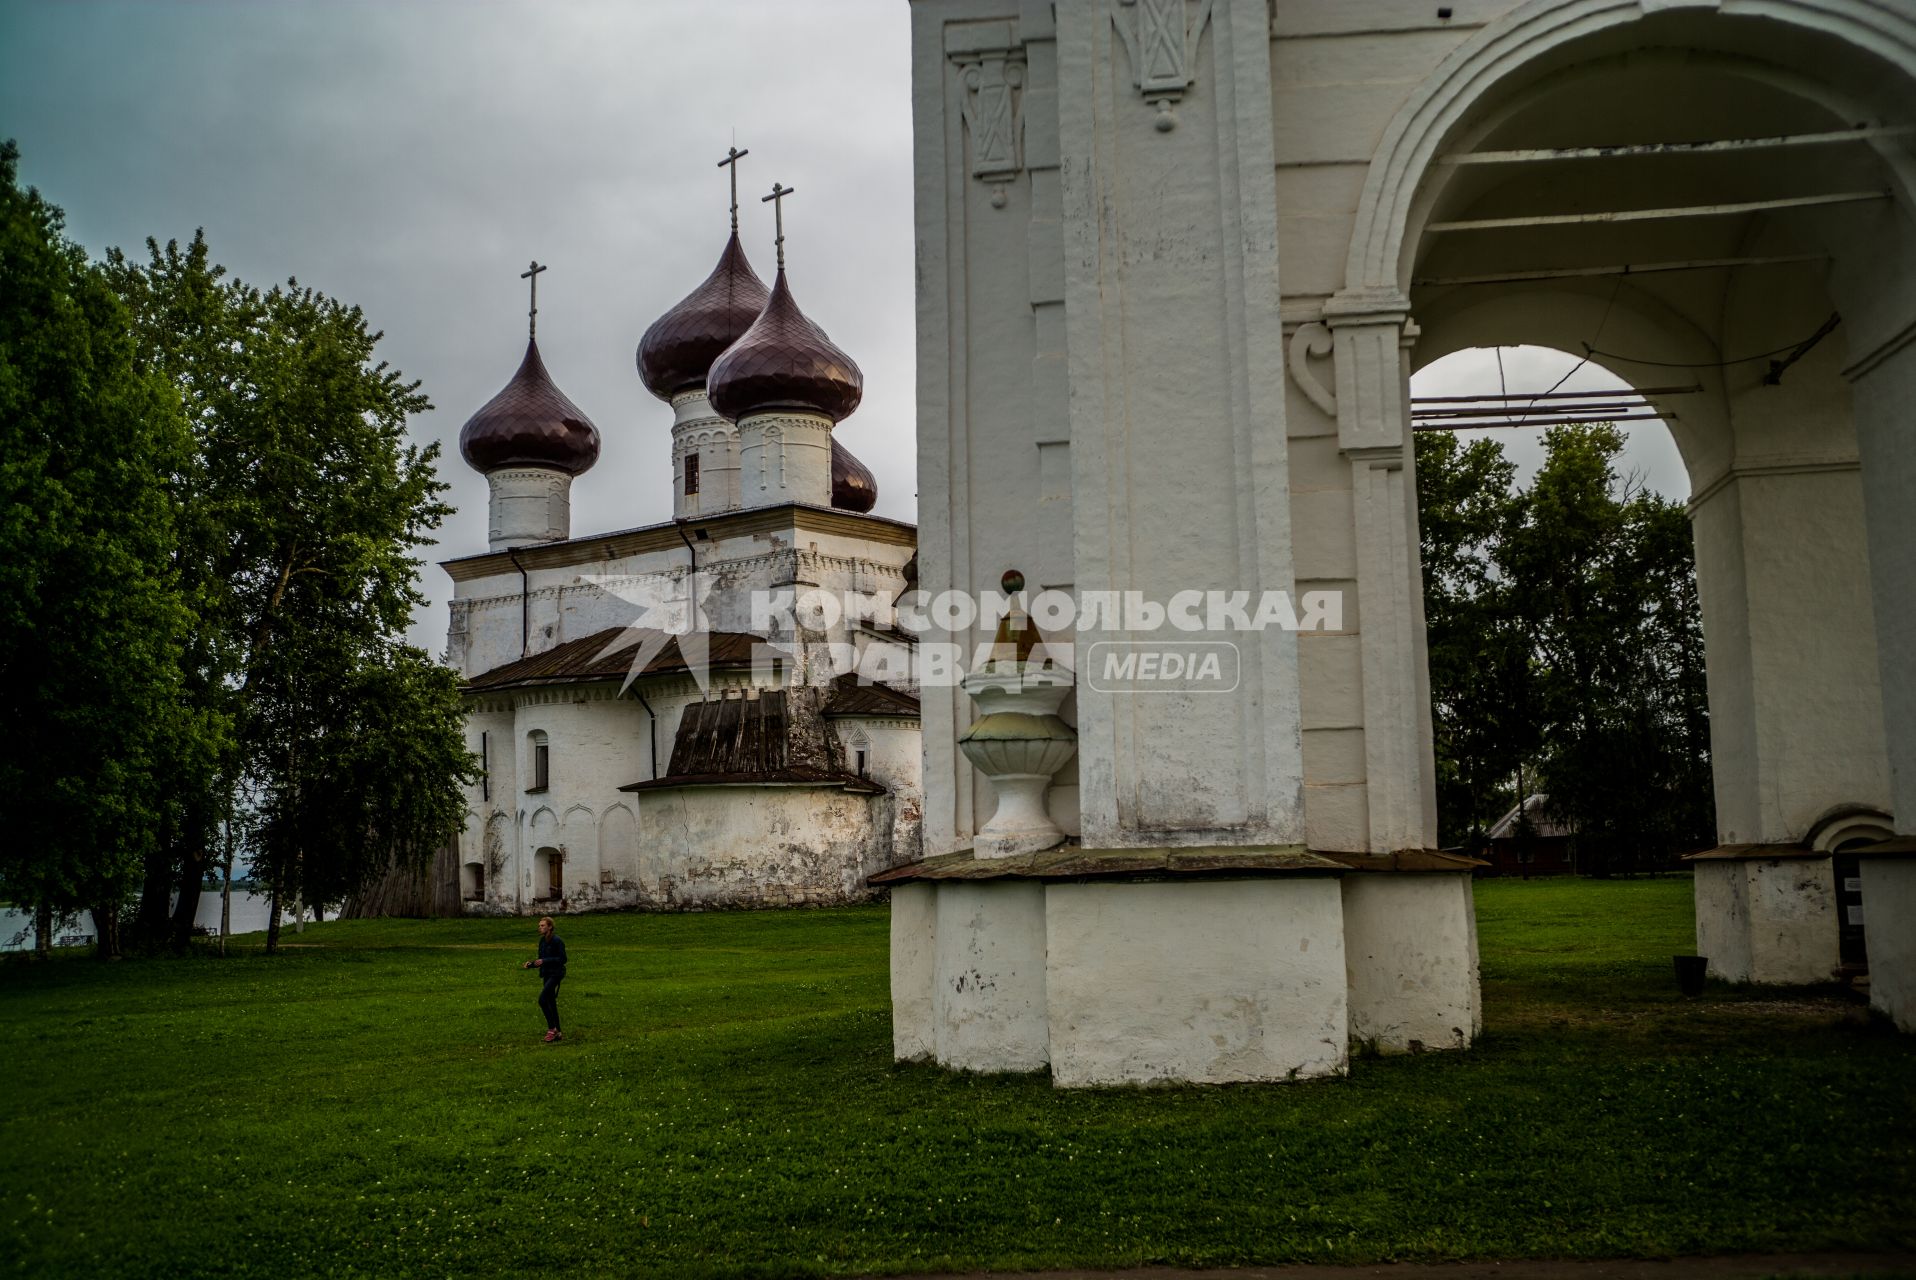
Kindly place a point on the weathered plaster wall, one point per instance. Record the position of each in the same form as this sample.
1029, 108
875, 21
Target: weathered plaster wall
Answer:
914, 972
1410, 953
1190, 981
1723, 919
662, 849
1770, 919
758, 845
988, 976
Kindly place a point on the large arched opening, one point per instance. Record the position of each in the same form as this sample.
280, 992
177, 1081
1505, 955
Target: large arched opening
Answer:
1717, 198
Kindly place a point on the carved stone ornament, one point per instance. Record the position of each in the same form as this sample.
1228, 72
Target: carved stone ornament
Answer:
993, 103
1162, 38
1311, 339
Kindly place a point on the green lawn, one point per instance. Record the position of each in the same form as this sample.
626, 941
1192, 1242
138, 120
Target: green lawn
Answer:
376, 1102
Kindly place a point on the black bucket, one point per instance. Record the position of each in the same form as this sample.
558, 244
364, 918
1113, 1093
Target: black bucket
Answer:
1690, 971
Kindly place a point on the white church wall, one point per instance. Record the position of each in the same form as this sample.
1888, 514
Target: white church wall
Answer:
738, 554
757, 845
619, 851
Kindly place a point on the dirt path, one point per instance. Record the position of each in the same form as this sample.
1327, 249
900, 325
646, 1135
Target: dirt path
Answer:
1734, 1267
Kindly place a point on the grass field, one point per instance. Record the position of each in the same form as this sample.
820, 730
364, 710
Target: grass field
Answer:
376, 1102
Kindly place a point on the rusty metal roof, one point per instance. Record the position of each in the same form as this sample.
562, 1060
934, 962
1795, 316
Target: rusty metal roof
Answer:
774, 737
765, 778
850, 698
586, 659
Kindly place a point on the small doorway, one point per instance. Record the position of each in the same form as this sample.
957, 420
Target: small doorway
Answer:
1852, 949
548, 875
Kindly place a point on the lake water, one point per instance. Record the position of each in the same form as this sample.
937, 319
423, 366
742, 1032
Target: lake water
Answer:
250, 911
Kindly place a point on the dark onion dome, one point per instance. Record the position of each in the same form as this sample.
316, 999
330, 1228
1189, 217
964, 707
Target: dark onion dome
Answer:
784, 362
530, 423
854, 487
679, 348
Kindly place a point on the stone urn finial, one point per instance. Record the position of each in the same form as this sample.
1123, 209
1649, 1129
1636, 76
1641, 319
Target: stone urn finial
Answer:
1018, 740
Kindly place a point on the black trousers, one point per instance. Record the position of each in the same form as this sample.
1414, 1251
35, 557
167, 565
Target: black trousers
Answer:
549, 1001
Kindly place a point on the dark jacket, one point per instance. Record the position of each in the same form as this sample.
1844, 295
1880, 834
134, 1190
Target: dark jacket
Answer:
552, 957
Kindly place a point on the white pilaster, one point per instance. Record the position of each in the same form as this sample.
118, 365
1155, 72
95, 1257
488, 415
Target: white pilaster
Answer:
1373, 431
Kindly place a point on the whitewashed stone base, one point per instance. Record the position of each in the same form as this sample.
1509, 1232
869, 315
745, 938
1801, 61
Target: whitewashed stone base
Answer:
1410, 950
1770, 920
1889, 898
1184, 980
1204, 982
989, 975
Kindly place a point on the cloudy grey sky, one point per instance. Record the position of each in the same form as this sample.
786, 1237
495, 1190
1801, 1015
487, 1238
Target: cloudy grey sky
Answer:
411, 158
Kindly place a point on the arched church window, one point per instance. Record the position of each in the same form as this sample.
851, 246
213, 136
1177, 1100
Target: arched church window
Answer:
691, 473
541, 761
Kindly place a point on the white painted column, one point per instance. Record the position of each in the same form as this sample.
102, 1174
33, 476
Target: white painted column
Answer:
1179, 473
1883, 388
1371, 331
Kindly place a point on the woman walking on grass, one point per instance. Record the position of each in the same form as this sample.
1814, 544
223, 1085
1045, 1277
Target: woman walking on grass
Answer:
551, 966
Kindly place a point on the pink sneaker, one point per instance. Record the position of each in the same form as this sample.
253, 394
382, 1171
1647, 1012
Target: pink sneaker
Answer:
552, 1035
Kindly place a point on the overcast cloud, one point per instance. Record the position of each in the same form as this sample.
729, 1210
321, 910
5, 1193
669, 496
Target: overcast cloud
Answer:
412, 158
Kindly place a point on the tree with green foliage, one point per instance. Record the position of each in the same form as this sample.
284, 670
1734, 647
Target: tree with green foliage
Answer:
1604, 572
93, 621
304, 502
1479, 655
1565, 647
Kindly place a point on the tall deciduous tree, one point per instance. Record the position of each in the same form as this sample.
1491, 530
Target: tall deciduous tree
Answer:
1564, 647
93, 623
303, 504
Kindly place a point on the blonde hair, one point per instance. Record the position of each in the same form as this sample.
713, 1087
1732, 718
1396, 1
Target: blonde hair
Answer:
547, 920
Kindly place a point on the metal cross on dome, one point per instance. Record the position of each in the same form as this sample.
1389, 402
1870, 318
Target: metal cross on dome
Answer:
532, 316
777, 198
732, 156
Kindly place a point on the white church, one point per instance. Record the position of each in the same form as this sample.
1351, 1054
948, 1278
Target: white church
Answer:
643, 745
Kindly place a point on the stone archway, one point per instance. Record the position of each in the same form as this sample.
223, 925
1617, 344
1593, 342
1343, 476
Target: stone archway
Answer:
1724, 192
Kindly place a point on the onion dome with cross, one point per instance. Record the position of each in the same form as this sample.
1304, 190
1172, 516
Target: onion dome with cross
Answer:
678, 350
530, 423
784, 362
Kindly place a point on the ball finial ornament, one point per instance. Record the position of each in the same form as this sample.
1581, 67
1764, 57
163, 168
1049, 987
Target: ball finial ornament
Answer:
1013, 582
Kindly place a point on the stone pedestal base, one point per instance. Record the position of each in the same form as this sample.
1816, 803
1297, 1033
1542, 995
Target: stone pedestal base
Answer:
1410, 948
1188, 966
1766, 913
